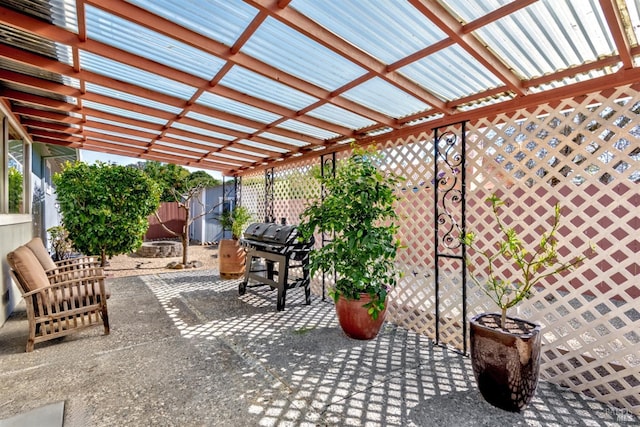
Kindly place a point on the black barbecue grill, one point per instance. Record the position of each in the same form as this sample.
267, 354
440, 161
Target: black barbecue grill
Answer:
283, 254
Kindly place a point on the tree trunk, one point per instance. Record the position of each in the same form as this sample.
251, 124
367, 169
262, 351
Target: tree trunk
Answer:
185, 236
103, 258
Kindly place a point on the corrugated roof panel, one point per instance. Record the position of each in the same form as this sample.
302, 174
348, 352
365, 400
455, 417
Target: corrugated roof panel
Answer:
300, 56
59, 12
220, 103
470, 10
119, 144
581, 77
306, 129
173, 154
261, 87
550, 35
633, 10
200, 131
339, 116
123, 96
194, 140
118, 134
219, 122
221, 20
123, 125
386, 29
122, 112
35, 44
451, 73
284, 139
261, 146
39, 92
18, 67
181, 147
127, 73
125, 35
229, 156
385, 98
246, 152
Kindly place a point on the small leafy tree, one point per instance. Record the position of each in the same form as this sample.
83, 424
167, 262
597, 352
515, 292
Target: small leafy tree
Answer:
105, 207
181, 186
235, 220
534, 265
15, 190
60, 242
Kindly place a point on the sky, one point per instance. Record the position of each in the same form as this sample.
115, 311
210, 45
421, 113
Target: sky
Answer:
91, 157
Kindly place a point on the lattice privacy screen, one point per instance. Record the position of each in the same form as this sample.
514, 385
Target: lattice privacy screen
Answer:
583, 153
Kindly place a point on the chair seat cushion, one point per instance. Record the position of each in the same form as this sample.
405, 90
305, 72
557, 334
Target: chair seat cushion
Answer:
29, 270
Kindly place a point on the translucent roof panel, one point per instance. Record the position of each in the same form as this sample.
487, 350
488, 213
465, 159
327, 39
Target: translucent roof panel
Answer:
221, 20
120, 124
261, 146
297, 126
386, 29
117, 94
317, 65
193, 129
451, 73
550, 35
261, 87
127, 73
122, 112
134, 38
470, 10
381, 96
219, 122
633, 7
117, 134
182, 147
194, 140
238, 108
339, 116
284, 139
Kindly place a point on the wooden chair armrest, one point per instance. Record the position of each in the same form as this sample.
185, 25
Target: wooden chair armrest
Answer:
63, 289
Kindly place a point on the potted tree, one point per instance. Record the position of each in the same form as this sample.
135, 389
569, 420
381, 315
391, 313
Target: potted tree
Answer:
231, 256
505, 351
358, 211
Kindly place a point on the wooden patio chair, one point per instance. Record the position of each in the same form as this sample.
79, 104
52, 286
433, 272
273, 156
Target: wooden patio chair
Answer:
69, 296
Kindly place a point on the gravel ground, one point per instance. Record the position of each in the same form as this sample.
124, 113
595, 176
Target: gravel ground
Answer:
134, 265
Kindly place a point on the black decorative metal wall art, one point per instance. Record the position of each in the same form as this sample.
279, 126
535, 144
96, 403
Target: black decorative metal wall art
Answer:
449, 212
269, 195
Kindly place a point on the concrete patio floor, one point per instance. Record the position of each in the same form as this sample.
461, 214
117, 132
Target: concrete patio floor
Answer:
186, 350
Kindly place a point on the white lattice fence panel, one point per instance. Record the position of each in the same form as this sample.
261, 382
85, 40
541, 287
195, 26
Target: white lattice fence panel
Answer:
252, 195
584, 154
295, 186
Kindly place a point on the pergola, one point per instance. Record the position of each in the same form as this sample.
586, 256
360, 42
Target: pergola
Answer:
235, 86
544, 95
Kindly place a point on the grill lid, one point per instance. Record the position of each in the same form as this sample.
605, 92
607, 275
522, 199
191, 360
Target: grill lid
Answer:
271, 233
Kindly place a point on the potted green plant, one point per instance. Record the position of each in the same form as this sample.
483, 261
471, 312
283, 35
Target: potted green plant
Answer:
505, 351
357, 210
231, 256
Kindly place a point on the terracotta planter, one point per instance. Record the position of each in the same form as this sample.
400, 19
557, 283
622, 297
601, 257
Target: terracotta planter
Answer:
505, 364
355, 320
231, 259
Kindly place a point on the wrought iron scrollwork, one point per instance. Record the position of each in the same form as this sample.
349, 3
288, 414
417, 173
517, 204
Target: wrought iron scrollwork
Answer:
450, 186
269, 195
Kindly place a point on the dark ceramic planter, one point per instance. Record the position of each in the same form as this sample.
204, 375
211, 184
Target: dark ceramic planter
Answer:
355, 320
506, 365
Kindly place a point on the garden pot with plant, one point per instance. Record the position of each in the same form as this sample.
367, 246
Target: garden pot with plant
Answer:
232, 256
505, 351
357, 210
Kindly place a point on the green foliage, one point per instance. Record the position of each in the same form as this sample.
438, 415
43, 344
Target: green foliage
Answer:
358, 209
176, 182
105, 207
235, 220
15, 190
60, 242
532, 265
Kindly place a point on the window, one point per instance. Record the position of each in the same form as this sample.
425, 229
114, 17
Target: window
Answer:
14, 180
